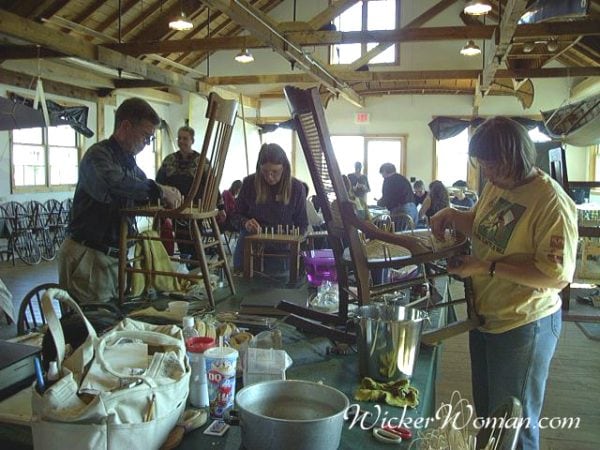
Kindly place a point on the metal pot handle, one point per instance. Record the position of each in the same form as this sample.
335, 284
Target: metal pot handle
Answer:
232, 417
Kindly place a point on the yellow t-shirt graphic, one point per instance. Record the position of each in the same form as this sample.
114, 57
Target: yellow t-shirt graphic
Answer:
536, 224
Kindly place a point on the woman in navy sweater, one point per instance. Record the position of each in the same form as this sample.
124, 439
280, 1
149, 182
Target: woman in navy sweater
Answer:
269, 198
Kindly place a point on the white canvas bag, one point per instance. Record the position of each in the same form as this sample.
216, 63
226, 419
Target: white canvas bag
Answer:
138, 411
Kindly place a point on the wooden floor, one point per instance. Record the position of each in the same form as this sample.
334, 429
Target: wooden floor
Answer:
573, 387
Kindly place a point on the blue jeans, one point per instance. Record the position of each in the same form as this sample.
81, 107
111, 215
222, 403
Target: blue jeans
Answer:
407, 208
514, 363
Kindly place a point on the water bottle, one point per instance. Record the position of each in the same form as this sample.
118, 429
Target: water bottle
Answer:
198, 382
189, 329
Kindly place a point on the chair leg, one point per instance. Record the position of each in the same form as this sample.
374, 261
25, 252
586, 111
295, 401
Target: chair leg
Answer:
221, 252
201, 255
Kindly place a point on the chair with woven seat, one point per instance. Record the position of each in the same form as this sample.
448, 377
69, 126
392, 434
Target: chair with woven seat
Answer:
198, 212
360, 248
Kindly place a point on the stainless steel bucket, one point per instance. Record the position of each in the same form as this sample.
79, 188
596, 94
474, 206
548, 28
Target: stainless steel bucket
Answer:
293, 414
388, 339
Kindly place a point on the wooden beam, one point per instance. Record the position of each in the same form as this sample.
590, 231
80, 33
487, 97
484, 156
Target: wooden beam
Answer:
131, 84
27, 52
27, 30
50, 87
264, 28
415, 23
318, 38
153, 94
404, 75
54, 70
327, 15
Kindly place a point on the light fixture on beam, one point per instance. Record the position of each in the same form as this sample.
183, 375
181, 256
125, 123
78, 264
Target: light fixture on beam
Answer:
470, 49
552, 45
244, 56
477, 7
181, 23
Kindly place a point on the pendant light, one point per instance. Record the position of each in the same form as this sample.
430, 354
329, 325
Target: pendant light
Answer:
470, 49
181, 22
244, 56
477, 7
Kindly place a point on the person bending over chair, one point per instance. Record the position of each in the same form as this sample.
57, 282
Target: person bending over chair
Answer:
269, 197
397, 194
524, 239
109, 179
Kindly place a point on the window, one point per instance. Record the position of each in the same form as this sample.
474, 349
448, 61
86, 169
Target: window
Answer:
363, 16
147, 159
44, 158
452, 158
372, 152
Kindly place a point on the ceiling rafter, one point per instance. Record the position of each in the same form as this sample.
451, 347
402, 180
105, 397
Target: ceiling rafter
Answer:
28, 30
315, 38
264, 27
415, 23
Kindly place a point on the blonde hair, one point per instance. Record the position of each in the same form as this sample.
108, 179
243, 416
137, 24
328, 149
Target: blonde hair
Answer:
273, 154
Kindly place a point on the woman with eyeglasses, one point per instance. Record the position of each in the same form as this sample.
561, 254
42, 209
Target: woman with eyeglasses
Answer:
524, 238
268, 198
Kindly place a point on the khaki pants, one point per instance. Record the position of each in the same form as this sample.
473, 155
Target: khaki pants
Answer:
87, 274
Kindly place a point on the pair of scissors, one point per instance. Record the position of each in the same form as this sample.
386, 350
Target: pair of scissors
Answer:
392, 435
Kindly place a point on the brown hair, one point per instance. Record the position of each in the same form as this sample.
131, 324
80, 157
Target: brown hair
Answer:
188, 130
135, 110
273, 154
505, 144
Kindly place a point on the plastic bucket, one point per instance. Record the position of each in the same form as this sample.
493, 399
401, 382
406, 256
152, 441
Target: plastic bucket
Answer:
388, 339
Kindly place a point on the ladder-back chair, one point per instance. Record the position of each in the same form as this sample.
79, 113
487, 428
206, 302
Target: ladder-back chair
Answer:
198, 210
359, 246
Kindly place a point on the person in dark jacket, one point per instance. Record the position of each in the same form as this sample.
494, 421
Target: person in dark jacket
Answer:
269, 197
397, 194
109, 180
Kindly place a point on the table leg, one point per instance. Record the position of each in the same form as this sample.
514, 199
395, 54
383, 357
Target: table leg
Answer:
295, 252
248, 259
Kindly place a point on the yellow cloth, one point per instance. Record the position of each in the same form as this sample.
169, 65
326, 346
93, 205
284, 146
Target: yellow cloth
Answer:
535, 223
396, 393
154, 257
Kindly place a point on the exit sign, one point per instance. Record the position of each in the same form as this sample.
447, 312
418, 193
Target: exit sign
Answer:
362, 117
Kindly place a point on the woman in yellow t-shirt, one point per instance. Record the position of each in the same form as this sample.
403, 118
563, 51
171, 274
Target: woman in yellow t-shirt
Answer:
524, 238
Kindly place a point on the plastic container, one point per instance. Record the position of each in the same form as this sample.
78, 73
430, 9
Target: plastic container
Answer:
221, 363
262, 364
319, 266
179, 307
196, 347
189, 329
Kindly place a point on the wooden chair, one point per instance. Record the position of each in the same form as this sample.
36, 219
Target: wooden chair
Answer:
31, 317
198, 215
359, 246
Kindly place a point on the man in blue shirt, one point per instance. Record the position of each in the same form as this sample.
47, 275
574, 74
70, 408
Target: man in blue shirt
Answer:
109, 180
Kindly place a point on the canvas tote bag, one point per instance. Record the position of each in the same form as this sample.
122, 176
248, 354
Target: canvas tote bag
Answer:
98, 403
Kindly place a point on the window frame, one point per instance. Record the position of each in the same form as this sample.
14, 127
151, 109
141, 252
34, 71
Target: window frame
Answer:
14, 189
364, 45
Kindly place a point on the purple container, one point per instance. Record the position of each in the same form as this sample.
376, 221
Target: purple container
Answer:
320, 266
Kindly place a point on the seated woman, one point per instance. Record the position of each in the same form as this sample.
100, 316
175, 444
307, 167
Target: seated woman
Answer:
437, 200
268, 198
229, 202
